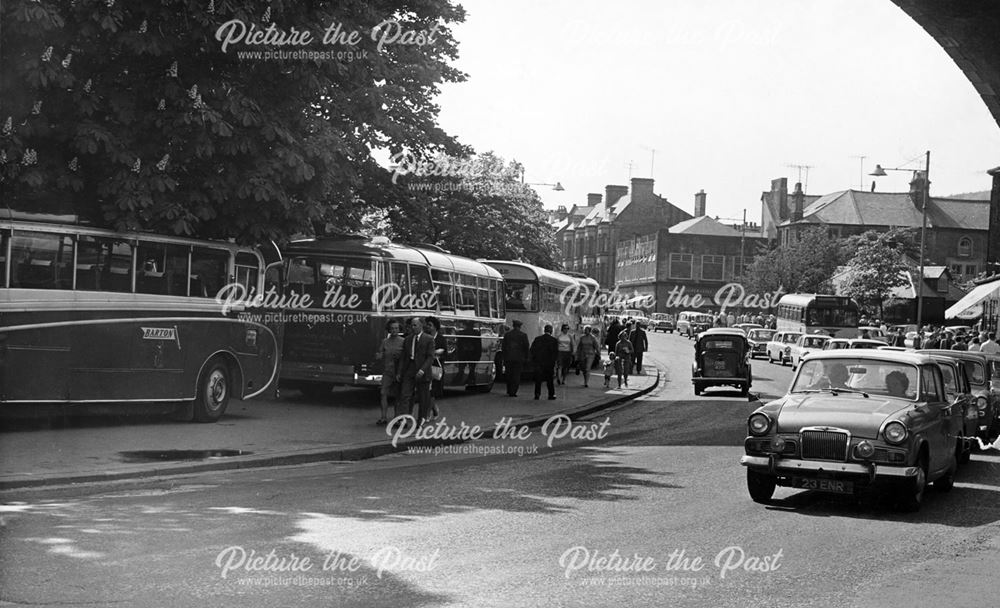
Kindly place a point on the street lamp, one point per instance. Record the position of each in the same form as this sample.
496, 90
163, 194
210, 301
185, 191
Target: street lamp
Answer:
880, 172
556, 186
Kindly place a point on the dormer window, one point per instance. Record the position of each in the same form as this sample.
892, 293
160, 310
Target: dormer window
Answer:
965, 247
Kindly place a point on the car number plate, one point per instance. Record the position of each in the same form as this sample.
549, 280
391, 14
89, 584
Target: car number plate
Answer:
720, 365
825, 485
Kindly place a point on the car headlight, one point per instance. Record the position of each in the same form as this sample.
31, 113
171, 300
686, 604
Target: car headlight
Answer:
865, 449
981, 404
759, 424
894, 432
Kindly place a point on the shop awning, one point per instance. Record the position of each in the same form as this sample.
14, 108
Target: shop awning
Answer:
973, 298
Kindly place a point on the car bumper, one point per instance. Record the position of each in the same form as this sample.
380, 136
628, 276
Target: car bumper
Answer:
813, 468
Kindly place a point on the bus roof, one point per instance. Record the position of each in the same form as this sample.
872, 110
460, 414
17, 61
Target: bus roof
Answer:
384, 249
522, 270
804, 299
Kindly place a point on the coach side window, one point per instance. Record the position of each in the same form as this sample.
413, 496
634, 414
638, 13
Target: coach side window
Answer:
209, 271
247, 271
103, 264
442, 281
41, 261
161, 269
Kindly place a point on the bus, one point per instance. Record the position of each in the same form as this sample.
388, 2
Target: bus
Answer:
536, 297
810, 313
90, 315
357, 283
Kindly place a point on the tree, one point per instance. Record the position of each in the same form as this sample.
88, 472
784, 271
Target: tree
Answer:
478, 208
805, 265
876, 268
147, 114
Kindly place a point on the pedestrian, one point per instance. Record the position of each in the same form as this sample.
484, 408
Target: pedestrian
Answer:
959, 345
918, 340
990, 346
899, 339
514, 351
946, 341
623, 360
418, 357
640, 344
390, 353
612, 338
544, 355
933, 342
976, 343
730, 320
433, 327
609, 369
586, 350
567, 346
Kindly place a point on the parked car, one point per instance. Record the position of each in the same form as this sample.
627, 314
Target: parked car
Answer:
779, 348
758, 339
856, 422
691, 323
806, 344
746, 327
844, 343
721, 359
958, 392
874, 333
662, 322
984, 386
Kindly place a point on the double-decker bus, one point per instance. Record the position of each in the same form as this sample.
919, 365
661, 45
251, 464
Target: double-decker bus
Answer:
356, 284
92, 315
811, 313
538, 297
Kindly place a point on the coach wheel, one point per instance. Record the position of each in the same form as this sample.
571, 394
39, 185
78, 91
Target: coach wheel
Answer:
214, 385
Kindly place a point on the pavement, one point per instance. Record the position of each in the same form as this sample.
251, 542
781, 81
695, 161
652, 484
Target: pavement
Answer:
70, 445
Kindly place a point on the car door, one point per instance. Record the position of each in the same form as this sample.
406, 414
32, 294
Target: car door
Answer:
941, 423
956, 393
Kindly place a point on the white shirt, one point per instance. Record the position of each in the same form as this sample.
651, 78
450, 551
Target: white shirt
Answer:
990, 347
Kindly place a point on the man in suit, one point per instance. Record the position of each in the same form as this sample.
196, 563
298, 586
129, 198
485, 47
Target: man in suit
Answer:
640, 344
544, 354
515, 353
418, 356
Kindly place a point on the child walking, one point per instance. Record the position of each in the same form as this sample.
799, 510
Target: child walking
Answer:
609, 369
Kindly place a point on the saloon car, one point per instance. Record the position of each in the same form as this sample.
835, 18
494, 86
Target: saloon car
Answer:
857, 422
662, 322
978, 373
758, 339
847, 343
721, 359
806, 344
746, 327
691, 323
779, 347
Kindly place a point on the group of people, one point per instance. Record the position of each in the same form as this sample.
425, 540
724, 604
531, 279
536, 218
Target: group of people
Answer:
408, 362
555, 356
940, 338
729, 319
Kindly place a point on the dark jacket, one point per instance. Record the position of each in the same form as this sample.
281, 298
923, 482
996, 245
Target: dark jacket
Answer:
423, 359
515, 345
545, 350
639, 341
612, 338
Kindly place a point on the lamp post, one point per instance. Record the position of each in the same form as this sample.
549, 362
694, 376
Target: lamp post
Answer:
879, 172
558, 187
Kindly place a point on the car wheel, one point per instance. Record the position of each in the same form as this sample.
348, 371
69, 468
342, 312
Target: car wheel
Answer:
698, 389
913, 493
214, 386
769, 358
946, 482
761, 486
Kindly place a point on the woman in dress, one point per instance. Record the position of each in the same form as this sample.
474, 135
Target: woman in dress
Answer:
390, 353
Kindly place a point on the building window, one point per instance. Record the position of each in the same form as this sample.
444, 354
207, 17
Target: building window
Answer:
965, 247
712, 267
680, 265
956, 269
970, 269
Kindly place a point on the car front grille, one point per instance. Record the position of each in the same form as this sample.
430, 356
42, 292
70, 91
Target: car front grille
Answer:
824, 445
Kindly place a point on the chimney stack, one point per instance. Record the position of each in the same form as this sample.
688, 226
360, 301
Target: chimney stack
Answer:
642, 189
779, 194
612, 193
593, 199
699, 203
798, 201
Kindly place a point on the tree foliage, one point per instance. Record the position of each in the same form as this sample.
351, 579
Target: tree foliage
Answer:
800, 266
876, 268
132, 113
486, 212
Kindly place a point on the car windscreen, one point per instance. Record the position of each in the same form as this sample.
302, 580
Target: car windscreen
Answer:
761, 335
871, 376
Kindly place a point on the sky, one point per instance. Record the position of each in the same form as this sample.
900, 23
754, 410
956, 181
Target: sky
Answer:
720, 95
